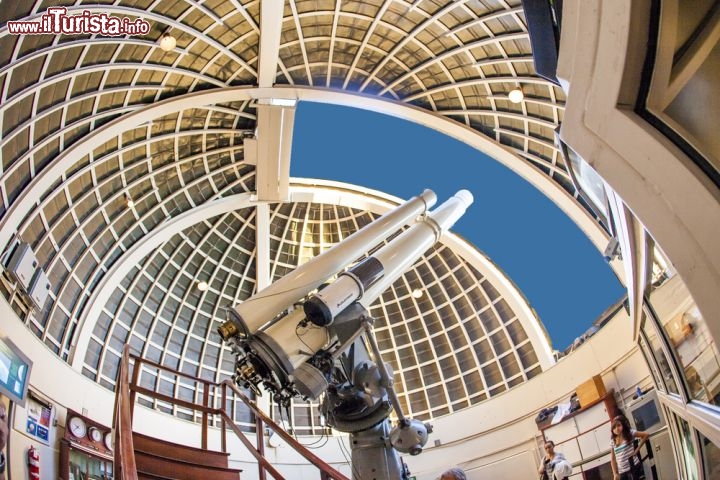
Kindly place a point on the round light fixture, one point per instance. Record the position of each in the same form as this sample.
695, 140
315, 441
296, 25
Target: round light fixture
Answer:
417, 293
202, 286
167, 42
129, 201
516, 95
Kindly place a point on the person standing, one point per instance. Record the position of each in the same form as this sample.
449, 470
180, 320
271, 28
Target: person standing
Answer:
624, 455
549, 461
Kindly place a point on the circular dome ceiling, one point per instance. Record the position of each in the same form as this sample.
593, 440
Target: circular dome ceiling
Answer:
110, 143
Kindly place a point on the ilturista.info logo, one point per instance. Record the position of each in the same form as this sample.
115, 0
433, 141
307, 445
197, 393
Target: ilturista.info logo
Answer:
56, 21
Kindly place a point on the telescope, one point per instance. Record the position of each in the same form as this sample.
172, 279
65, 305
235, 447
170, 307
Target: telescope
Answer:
310, 334
265, 305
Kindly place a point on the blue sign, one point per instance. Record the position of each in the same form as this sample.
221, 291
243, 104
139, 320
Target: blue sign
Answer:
37, 430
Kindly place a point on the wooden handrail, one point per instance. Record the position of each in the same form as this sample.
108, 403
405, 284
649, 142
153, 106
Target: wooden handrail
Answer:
223, 440
125, 400
261, 459
259, 440
134, 381
289, 439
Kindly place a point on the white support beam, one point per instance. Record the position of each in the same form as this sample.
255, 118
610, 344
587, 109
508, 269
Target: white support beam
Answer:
271, 16
633, 243
671, 74
274, 137
262, 246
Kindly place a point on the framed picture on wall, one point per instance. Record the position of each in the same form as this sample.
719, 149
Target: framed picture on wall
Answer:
39, 419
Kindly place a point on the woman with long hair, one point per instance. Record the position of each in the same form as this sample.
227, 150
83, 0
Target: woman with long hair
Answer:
624, 455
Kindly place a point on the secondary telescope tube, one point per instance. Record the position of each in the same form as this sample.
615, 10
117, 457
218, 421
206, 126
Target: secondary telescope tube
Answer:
365, 284
249, 316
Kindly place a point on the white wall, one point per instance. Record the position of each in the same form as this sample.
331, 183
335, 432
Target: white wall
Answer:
496, 438
55, 381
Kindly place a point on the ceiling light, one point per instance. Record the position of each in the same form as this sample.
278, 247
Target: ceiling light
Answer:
129, 201
167, 42
417, 293
202, 286
516, 95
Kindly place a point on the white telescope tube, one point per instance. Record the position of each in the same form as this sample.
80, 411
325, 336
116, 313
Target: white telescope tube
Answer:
269, 302
401, 254
326, 304
366, 284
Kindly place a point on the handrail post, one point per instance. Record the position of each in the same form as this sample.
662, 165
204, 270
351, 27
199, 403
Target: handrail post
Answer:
135, 380
260, 435
123, 429
206, 396
117, 467
223, 435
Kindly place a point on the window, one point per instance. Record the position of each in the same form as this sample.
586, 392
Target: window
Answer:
687, 447
658, 354
586, 181
688, 335
711, 458
649, 359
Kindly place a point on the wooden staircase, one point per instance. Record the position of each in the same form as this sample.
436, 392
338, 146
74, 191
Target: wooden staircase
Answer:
162, 460
140, 457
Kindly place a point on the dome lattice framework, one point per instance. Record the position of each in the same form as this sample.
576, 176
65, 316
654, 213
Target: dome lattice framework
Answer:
65, 181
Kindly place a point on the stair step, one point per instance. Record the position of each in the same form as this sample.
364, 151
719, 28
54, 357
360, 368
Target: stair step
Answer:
182, 453
155, 466
149, 476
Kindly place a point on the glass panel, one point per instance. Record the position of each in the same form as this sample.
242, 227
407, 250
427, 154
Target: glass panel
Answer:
647, 353
661, 269
688, 448
688, 334
658, 354
87, 467
711, 458
589, 181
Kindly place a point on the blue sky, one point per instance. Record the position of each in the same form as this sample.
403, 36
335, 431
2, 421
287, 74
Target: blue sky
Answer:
560, 272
